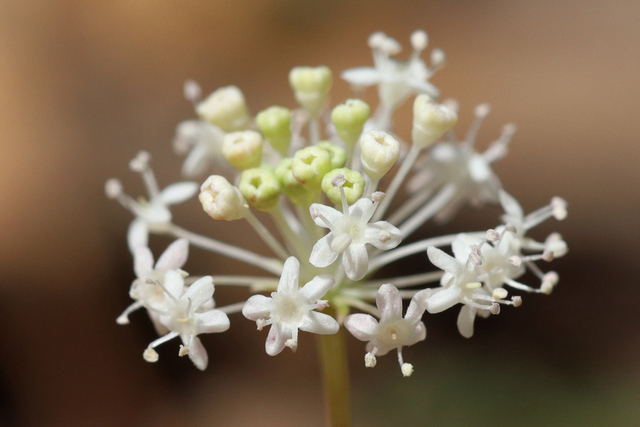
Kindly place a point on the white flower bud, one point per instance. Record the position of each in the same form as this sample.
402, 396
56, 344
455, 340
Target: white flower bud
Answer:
243, 149
221, 200
225, 108
430, 121
379, 151
310, 86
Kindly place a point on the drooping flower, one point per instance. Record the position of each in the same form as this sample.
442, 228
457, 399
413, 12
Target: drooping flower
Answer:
291, 308
392, 331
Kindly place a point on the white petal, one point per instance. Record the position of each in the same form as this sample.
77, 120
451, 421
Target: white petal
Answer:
276, 340
355, 261
444, 262
479, 169
319, 323
322, 255
173, 283
465, 321
416, 306
422, 86
461, 246
199, 292
290, 275
198, 354
362, 209
257, 307
317, 287
389, 302
361, 76
361, 326
511, 206
174, 256
196, 162
420, 334
178, 192
138, 234
392, 236
142, 261
443, 299
332, 215
211, 321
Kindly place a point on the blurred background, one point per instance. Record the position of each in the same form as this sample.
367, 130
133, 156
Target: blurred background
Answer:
85, 85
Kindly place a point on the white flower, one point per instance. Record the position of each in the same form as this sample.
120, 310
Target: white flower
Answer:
350, 232
185, 314
147, 293
152, 214
396, 80
291, 308
393, 331
204, 141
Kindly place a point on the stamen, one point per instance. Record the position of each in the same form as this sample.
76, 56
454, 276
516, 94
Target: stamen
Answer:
150, 281
192, 91
370, 359
493, 236
113, 188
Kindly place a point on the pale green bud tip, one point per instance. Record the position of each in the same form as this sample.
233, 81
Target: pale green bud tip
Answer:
260, 188
225, 108
310, 165
221, 200
290, 185
379, 151
352, 183
337, 154
430, 121
310, 86
349, 119
275, 125
243, 149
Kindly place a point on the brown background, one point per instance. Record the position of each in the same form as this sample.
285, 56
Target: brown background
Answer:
85, 85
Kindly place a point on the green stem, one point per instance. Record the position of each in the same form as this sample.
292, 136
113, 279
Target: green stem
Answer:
335, 375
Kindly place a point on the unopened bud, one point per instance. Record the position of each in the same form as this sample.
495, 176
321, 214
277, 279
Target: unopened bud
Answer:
260, 188
221, 200
353, 186
430, 121
310, 87
243, 149
349, 119
275, 124
379, 151
310, 165
225, 108
296, 192
337, 154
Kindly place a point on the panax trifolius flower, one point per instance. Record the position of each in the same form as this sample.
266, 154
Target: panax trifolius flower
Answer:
290, 164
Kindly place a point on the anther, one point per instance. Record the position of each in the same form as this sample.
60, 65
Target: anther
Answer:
192, 91
338, 181
377, 196
150, 355
370, 360
494, 309
515, 260
140, 162
113, 188
492, 235
419, 40
517, 301
500, 293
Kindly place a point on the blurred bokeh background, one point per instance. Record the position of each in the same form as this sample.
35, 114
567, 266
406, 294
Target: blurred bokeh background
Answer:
85, 85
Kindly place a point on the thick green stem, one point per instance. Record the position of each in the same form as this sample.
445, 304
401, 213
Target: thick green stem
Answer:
335, 375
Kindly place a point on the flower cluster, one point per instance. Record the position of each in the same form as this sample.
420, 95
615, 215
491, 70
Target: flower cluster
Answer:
325, 179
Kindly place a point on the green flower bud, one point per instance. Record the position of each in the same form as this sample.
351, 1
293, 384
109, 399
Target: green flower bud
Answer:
353, 186
221, 200
298, 194
337, 154
243, 149
275, 125
309, 166
225, 108
260, 188
379, 151
430, 121
349, 119
310, 87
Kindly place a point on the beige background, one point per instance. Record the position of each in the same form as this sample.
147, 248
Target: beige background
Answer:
85, 85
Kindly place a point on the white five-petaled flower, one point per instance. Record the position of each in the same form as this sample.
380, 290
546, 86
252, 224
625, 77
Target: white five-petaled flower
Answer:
152, 214
185, 314
291, 308
393, 331
350, 232
149, 294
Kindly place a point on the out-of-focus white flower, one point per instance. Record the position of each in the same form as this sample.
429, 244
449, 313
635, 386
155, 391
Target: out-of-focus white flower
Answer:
203, 142
291, 308
350, 232
393, 331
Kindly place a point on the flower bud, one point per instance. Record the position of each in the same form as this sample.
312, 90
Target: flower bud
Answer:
310, 87
260, 188
221, 200
353, 186
225, 108
379, 151
310, 165
291, 186
349, 119
275, 125
430, 121
337, 154
243, 149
